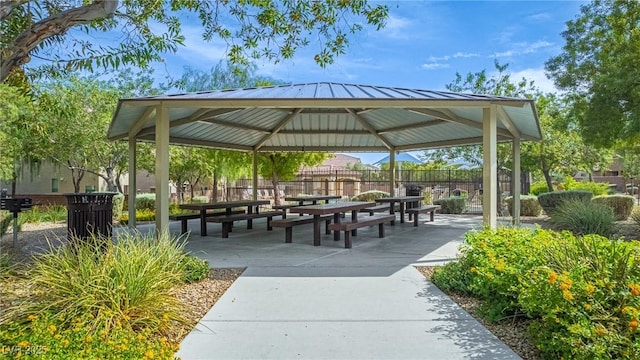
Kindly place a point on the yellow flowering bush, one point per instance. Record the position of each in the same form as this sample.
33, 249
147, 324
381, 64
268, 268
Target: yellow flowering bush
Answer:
581, 293
585, 299
45, 337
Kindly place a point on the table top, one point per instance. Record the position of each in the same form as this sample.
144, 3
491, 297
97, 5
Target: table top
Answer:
399, 199
224, 204
312, 197
334, 208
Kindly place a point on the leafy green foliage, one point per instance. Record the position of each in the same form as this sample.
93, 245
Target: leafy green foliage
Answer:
595, 188
39, 214
635, 215
195, 269
118, 205
146, 201
370, 195
584, 217
597, 67
549, 201
252, 29
622, 205
582, 293
538, 188
6, 218
44, 336
128, 283
529, 205
451, 205
141, 215
584, 299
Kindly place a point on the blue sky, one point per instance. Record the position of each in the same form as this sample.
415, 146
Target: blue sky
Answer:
424, 45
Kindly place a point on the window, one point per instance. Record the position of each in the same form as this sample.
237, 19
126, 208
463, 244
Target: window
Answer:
55, 185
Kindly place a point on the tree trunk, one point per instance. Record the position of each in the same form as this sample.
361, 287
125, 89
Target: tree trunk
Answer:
276, 186
214, 190
55, 25
110, 178
547, 178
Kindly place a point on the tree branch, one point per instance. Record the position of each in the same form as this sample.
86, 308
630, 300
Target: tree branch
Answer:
6, 7
54, 25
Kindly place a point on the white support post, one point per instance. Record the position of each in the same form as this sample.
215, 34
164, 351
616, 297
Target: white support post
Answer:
131, 203
392, 172
162, 168
489, 167
515, 181
255, 175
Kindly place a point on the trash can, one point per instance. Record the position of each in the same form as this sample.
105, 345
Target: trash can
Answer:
89, 213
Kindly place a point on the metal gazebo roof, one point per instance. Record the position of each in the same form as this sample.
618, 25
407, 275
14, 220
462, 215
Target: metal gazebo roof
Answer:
324, 117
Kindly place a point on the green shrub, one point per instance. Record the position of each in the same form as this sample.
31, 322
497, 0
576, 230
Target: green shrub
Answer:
6, 218
635, 215
594, 188
141, 215
585, 299
370, 195
200, 199
453, 277
529, 205
195, 269
44, 337
549, 201
584, 217
451, 205
146, 201
130, 282
118, 205
538, 188
622, 205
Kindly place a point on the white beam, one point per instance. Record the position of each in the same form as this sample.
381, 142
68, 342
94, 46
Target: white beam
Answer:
489, 167
162, 168
392, 171
255, 175
516, 183
131, 201
369, 128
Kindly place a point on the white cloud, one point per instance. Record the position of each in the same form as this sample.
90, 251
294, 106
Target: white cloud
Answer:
434, 66
538, 77
459, 54
522, 48
539, 17
396, 28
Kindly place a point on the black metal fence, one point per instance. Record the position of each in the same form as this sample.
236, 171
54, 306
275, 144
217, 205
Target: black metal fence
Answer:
436, 184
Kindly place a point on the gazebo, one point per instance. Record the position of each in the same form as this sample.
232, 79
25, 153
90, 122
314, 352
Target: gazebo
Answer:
323, 116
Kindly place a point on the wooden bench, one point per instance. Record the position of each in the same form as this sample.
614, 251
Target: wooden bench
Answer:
378, 208
431, 209
183, 218
227, 221
289, 223
367, 221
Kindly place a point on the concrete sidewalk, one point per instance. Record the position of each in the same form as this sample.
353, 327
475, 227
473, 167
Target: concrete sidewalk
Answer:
297, 301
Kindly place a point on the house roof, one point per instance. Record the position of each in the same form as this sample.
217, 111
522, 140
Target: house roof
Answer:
324, 117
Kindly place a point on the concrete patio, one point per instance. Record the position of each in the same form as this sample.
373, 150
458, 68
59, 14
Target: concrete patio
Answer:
326, 302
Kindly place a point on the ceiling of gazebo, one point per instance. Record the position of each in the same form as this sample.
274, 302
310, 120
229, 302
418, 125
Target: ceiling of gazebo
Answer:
324, 117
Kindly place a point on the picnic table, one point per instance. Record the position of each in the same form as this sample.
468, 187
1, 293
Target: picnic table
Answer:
227, 205
336, 209
313, 198
402, 200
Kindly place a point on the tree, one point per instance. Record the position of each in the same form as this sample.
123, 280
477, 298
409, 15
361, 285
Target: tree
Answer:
76, 113
498, 84
267, 29
598, 68
19, 129
285, 166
